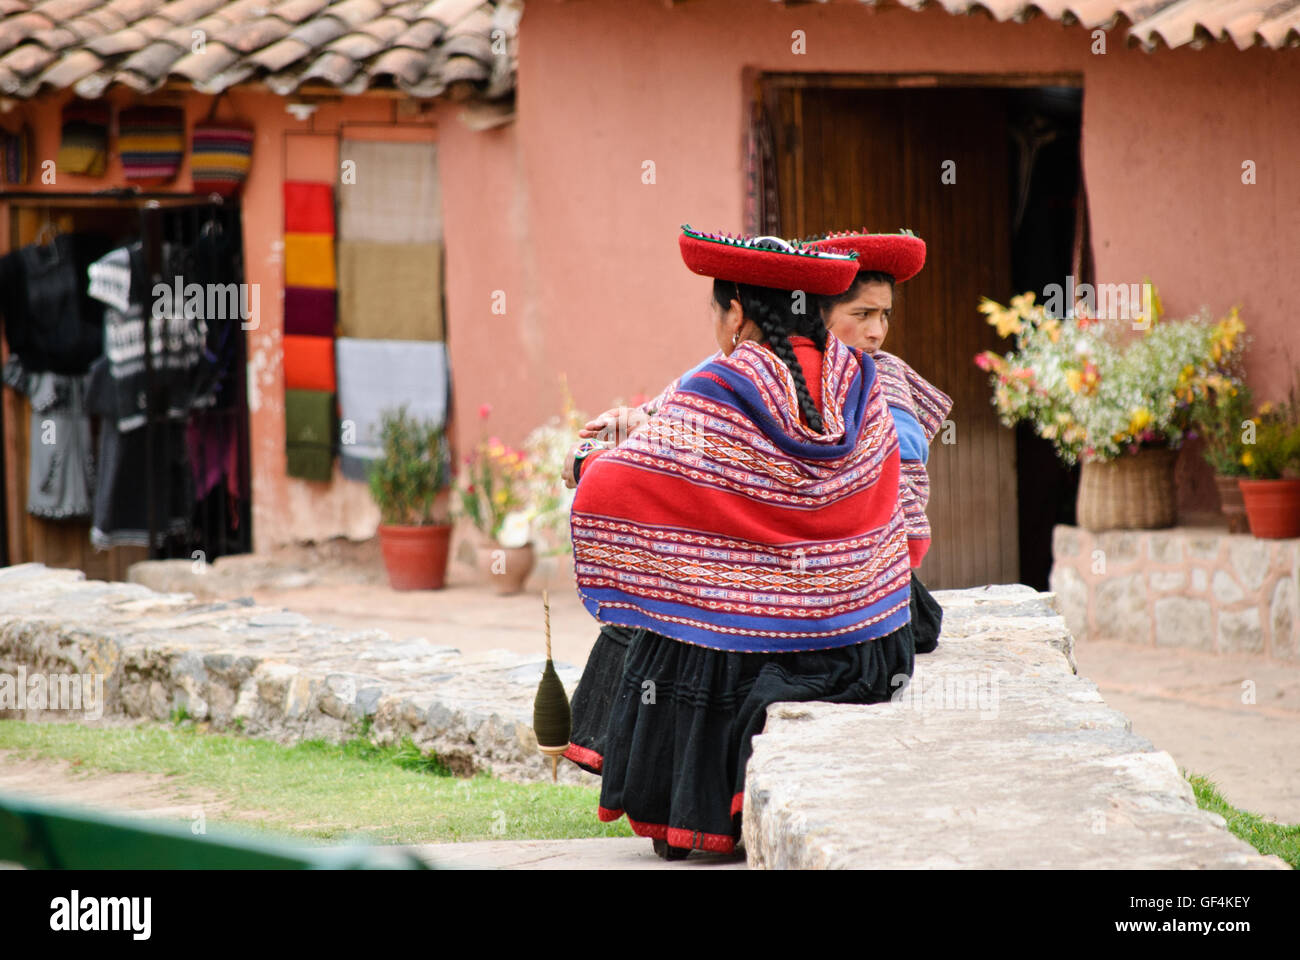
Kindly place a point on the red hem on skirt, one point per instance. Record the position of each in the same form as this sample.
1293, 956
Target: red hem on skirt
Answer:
676, 836
583, 755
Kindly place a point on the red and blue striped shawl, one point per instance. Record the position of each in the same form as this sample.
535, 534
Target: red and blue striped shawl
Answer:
726, 522
919, 409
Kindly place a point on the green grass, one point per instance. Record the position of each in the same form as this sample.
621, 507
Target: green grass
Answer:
1264, 835
324, 791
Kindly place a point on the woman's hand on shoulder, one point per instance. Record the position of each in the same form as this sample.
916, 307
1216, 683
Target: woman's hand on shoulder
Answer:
614, 425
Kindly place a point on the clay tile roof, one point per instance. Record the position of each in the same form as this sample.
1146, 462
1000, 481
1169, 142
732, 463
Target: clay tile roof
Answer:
1151, 23
353, 45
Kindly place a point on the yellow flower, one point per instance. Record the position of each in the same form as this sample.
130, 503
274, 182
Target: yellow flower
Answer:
1138, 421
1006, 321
989, 307
1247, 459
1074, 379
1023, 303
1053, 328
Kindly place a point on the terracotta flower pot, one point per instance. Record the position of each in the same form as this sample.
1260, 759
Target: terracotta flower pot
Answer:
1231, 503
415, 557
505, 568
1273, 507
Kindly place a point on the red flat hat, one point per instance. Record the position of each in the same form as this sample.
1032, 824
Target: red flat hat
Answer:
901, 255
768, 262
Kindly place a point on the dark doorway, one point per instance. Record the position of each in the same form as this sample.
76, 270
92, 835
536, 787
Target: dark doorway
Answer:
1049, 239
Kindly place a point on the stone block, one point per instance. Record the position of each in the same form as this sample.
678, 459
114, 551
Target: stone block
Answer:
1163, 581
1119, 609
1119, 547
1184, 622
1240, 631
1066, 541
1226, 589
1250, 560
1284, 619
1071, 599
1165, 548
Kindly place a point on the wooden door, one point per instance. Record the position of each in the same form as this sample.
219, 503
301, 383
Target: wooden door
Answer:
849, 158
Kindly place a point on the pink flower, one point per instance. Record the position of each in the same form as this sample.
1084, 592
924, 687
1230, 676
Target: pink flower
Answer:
485, 411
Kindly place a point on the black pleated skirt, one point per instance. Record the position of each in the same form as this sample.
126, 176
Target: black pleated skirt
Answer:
668, 725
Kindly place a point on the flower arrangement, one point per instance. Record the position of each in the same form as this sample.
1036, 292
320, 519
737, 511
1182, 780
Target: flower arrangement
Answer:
1096, 395
493, 486
406, 480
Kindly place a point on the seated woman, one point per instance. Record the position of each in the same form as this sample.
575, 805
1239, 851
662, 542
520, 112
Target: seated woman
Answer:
860, 317
745, 545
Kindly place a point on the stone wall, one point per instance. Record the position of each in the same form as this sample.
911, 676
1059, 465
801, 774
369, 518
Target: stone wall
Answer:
996, 756
240, 668
1198, 588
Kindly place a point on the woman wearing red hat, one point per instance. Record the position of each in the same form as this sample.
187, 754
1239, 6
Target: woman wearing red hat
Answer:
745, 545
860, 317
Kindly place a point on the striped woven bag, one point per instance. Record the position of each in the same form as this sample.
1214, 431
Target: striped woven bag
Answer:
221, 155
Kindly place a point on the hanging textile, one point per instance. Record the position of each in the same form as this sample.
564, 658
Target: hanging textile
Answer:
60, 479
308, 359
379, 375
177, 345
151, 141
15, 156
83, 141
309, 312
309, 363
396, 198
390, 291
50, 322
121, 502
221, 153
309, 429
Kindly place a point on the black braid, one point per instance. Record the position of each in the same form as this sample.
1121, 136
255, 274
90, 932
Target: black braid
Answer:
769, 309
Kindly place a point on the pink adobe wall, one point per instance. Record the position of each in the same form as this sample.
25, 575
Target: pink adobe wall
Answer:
605, 86
552, 210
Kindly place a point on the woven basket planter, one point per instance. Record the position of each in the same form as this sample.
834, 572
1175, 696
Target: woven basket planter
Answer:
1133, 492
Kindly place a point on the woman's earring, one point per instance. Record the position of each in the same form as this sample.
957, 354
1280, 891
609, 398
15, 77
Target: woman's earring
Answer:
735, 339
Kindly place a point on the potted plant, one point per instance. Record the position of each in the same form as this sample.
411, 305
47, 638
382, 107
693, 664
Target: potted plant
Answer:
1272, 460
493, 497
409, 484
1221, 413
1120, 405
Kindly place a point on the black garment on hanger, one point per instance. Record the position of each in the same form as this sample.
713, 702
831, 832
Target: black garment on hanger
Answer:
121, 511
55, 326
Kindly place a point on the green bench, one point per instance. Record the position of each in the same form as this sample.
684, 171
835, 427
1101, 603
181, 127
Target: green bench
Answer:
41, 835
